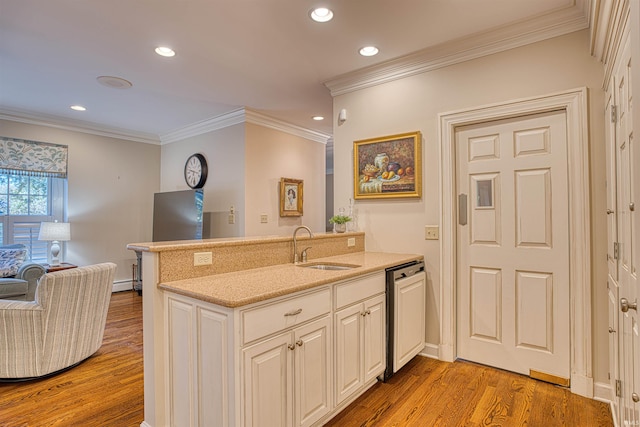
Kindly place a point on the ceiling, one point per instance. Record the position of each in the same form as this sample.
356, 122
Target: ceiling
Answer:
267, 56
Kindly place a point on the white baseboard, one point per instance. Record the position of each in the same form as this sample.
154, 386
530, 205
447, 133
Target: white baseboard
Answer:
122, 285
430, 350
602, 392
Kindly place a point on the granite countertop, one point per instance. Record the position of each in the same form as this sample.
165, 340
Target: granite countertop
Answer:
244, 287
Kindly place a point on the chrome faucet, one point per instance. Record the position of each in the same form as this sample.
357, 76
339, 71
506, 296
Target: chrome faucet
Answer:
296, 257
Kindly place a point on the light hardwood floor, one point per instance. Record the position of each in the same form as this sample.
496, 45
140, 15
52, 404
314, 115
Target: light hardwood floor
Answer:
106, 390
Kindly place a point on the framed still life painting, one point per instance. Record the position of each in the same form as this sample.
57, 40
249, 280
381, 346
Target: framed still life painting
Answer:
388, 167
290, 197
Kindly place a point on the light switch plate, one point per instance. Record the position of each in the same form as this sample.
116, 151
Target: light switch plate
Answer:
264, 218
351, 241
431, 232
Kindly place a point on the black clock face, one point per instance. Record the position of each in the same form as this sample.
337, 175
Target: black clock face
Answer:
195, 171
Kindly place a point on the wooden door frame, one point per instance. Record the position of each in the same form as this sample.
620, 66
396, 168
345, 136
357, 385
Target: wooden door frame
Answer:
574, 103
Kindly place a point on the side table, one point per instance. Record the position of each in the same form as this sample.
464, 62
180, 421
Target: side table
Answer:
63, 266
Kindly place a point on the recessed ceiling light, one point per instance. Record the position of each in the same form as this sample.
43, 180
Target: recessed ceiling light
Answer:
318, 118
369, 51
321, 14
165, 51
114, 82
78, 108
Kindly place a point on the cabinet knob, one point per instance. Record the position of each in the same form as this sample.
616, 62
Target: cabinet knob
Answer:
291, 346
635, 397
609, 211
299, 343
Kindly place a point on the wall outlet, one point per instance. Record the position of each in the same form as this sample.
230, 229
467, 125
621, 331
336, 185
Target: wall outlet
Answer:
351, 241
431, 232
202, 258
264, 218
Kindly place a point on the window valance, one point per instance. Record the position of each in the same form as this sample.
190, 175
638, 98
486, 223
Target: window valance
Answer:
33, 158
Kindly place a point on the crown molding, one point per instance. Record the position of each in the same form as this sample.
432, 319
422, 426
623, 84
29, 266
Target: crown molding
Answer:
553, 24
239, 116
269, 122
609, 24
222, 121
77, 126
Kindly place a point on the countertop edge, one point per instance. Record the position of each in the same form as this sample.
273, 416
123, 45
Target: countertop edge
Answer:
317, 278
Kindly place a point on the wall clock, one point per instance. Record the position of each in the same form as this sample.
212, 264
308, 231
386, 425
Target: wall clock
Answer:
195, 171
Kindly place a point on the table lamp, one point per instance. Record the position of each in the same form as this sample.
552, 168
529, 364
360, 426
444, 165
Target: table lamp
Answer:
55, 232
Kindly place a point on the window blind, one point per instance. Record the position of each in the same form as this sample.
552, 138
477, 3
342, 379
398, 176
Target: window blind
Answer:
33, 158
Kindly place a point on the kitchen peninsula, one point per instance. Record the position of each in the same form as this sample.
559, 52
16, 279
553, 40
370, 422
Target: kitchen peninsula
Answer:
250, 338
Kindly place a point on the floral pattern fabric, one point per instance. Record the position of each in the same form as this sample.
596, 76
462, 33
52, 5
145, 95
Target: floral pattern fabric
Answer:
11, 260
18, 156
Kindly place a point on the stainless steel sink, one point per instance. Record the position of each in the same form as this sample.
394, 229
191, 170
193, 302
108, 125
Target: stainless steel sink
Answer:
328, 266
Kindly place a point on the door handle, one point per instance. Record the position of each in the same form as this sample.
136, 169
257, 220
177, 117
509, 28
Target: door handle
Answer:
462, 209
625, 305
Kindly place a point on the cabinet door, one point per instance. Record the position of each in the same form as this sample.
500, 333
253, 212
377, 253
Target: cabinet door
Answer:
349, 351
374, 337
409, 317
268, 382
312, 372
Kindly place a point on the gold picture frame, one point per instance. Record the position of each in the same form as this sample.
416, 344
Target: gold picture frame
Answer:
388, 167
291, 197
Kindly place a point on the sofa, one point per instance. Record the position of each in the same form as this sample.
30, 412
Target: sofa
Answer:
63, 326
18, 277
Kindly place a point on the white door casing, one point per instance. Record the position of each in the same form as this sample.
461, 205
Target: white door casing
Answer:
513, 248
574, 102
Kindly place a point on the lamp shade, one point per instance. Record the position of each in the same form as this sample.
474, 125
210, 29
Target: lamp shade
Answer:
55, 231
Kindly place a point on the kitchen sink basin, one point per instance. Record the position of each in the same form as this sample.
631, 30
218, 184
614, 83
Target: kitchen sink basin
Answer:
328, 266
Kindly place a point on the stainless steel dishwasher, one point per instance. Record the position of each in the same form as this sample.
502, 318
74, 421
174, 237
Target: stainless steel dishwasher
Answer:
405, 319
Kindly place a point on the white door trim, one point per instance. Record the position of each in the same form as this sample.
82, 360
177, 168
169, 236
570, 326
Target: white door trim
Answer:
574, 102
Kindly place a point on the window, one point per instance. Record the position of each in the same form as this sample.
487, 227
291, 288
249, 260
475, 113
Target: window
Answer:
25, 202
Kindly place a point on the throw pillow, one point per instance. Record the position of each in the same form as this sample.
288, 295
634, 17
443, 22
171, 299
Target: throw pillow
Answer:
11, 260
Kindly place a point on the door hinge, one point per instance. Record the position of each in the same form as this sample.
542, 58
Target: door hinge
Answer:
614, 114
616, 250
618, 388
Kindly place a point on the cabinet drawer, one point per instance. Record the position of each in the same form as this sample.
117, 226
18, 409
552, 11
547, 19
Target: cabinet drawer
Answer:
267, 319
359, 289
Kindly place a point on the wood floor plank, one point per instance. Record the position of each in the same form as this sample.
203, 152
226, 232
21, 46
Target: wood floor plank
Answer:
106, 390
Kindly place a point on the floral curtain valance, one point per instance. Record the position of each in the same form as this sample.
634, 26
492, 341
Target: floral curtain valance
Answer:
33, 158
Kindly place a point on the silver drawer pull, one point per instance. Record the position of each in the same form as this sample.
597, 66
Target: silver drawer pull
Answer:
294, 312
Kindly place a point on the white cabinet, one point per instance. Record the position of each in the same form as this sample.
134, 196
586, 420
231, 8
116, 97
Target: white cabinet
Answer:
287, 378
359, 324
409, 318
197, 355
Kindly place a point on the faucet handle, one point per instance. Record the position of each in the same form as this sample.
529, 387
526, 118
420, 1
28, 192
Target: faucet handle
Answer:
304, 254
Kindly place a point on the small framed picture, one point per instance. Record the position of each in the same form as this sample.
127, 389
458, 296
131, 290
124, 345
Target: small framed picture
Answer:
290, 197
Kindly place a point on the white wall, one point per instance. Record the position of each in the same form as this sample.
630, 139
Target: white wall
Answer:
109, 183
224, 150
271, 155
413, 103
246, 162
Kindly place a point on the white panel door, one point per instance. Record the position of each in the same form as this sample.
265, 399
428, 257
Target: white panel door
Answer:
627, 222
349, 352
513, 245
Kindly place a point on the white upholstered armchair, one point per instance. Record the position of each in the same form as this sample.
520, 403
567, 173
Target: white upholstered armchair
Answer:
63, 325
